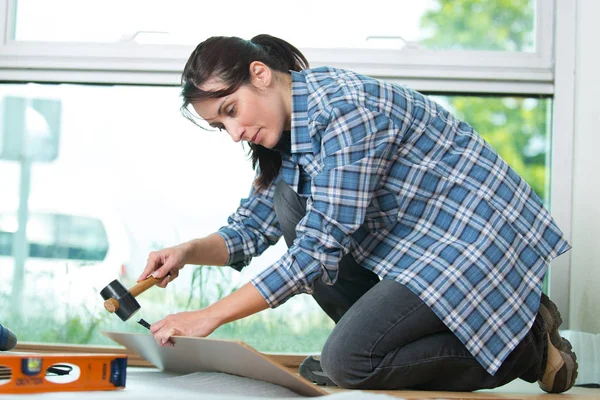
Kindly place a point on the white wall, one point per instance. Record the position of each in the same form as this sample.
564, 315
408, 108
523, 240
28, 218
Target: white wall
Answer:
585, 256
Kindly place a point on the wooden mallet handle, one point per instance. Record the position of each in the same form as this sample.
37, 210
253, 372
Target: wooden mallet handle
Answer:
112, 305
141, 286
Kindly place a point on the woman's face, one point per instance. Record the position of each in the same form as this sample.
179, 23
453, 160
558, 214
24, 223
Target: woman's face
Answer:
256, 113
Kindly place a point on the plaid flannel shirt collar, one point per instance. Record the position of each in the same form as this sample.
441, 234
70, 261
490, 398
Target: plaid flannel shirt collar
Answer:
300, 134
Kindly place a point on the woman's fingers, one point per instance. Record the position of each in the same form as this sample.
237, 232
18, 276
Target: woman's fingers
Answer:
163, 283
172, 274
151, 265
162, 332
198, 323
155, 327
160, 266
163, 337
163, 263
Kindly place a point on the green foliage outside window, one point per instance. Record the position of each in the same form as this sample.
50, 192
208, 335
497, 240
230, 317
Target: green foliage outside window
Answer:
504, 25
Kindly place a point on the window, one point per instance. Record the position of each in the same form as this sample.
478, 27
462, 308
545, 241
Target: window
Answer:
384, 24
5, 242
504, 47
68, 237
119, 186
110, 165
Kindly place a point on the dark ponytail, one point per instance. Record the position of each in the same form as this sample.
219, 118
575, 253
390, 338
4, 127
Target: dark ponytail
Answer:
229, 59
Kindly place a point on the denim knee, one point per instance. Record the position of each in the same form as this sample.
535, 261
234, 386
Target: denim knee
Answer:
341, 365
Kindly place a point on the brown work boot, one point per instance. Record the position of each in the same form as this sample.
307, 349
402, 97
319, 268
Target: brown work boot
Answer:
561, 365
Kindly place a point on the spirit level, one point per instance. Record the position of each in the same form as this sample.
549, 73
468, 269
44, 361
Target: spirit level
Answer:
46, 372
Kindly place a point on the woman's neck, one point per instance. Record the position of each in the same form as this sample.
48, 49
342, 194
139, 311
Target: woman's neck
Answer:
286, 85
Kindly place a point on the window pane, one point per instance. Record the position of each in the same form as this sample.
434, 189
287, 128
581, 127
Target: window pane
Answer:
131, 166
434, 24
84, 237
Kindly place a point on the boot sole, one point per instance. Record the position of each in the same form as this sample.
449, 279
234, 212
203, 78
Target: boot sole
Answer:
306, 372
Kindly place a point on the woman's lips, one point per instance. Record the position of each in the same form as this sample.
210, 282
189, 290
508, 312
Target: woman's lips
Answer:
255, 137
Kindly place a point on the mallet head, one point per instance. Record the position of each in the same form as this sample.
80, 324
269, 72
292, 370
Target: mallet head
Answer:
119, 300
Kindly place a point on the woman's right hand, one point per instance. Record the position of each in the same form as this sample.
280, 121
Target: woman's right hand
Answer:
165, 264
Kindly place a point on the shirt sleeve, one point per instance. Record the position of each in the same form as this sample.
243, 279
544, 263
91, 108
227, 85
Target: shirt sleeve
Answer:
252, 228
357, 147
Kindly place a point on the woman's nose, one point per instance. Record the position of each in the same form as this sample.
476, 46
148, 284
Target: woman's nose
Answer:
236, 132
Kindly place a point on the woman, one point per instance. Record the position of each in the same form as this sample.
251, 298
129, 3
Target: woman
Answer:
367, 180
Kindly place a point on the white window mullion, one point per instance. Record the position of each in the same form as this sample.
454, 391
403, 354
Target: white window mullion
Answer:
132, 63
563, 127
448, 86
92, 77
5, 23
544, 30
146, 56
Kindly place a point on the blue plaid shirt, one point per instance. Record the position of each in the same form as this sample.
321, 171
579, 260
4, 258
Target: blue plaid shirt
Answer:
416, 196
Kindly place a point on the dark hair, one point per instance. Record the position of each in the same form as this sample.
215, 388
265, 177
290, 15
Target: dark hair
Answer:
229, 59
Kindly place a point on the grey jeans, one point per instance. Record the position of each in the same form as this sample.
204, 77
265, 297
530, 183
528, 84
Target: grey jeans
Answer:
386, 337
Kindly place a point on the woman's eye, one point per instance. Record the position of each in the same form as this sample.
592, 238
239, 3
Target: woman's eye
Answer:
231, 111
218, 127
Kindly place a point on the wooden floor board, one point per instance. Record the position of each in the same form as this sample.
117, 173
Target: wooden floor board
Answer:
517, 390
512, 391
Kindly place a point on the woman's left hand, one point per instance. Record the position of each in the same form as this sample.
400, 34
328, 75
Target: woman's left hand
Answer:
199, 323
243, 302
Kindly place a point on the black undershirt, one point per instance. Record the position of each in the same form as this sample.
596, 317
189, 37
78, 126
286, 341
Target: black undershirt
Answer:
284, 145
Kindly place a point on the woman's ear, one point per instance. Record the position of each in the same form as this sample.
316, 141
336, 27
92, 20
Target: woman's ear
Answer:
260, 74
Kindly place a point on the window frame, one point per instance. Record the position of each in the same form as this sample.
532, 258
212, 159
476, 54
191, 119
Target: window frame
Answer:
548, 71
134, 63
